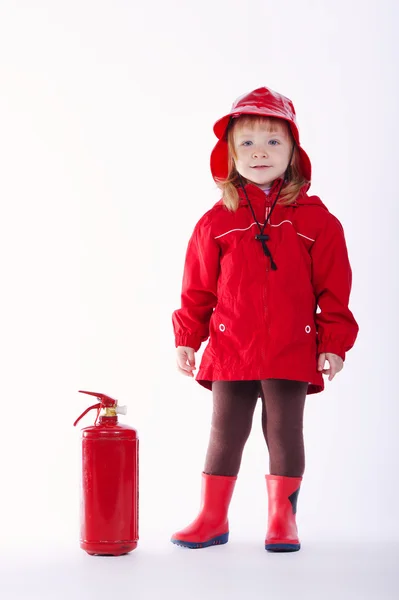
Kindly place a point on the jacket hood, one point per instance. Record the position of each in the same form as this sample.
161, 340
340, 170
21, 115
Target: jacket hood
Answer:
262, 102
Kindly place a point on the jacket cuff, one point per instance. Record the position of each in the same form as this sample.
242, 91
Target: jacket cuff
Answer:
331, 345
191, 340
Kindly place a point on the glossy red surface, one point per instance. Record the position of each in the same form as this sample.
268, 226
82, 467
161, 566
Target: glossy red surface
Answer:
109, 494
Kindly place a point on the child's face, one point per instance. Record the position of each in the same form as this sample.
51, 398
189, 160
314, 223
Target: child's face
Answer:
263, 150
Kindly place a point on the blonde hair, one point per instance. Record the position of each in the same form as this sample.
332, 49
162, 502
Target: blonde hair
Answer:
228, 186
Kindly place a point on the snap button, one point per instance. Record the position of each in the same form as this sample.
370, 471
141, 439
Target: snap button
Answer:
308, 329
222, 327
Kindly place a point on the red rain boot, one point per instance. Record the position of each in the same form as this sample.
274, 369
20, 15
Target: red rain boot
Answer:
282, 534
211, 527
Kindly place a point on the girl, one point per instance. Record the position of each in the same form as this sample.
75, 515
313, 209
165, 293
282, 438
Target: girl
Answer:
267, 279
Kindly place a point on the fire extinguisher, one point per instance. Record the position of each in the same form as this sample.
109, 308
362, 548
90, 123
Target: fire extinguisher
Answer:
109, 484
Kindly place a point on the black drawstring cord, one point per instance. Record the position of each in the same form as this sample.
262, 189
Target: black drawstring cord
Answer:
262, 237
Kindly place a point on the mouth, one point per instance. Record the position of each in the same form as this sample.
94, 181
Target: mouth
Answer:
261, 167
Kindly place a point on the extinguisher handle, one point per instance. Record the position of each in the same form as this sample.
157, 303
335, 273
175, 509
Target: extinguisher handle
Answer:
104, 399
97, 406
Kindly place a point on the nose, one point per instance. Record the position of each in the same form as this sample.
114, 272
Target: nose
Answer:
257, 153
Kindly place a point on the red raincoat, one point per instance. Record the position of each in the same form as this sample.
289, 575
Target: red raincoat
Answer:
263, 323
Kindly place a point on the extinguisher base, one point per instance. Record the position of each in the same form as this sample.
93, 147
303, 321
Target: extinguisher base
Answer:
108, 549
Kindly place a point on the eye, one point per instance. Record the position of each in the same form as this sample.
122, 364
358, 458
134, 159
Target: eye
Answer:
274, 142
247, 142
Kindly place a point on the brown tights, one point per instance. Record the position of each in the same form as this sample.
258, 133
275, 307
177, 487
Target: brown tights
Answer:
234, 402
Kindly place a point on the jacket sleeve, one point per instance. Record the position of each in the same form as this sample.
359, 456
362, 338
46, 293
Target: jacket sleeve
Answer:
199, 288
332, 281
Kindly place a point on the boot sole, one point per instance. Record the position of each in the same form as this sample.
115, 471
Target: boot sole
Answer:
282, 547
216, 541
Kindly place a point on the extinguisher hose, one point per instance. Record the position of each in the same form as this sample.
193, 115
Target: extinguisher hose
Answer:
97, 406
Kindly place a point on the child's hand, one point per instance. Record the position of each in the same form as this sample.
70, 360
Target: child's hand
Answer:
185, 355
336, 364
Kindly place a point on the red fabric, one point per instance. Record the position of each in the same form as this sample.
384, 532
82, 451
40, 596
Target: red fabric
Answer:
261, 323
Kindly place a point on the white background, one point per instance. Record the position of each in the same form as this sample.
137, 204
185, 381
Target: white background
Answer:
106, 116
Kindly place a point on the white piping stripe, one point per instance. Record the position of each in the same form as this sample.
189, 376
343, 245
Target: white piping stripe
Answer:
305, 236
246, 229
278, 225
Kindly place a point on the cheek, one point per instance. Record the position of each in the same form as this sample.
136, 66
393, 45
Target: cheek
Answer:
243, 153
240, 156
283, 155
